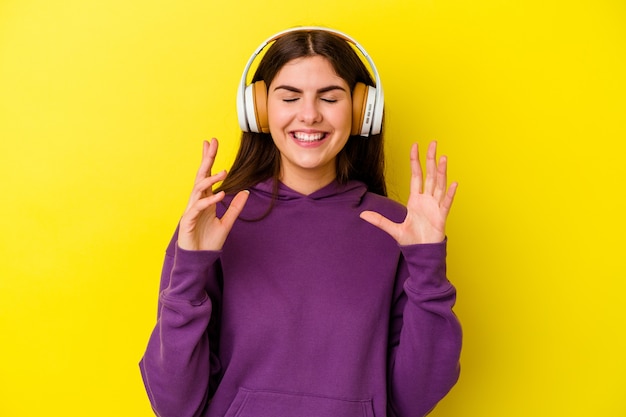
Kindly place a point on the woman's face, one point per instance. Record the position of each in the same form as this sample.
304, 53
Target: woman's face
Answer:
310, 115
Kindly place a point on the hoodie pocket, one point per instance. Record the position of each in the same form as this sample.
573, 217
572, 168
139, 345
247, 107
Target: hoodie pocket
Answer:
257, 403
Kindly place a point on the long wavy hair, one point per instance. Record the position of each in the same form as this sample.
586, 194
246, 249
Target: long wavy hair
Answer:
258, 159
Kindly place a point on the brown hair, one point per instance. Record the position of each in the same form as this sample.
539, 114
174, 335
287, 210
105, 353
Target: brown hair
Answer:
258, 158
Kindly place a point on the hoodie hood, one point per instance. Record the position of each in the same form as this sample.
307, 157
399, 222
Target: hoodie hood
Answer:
263, 199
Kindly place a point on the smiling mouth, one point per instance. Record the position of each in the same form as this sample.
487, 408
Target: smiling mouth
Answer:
308, 137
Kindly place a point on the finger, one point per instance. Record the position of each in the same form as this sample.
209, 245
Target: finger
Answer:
448, 199
442, 178
381, 222
431, 169
198, 207
209, 152
204, 163
234, 209
203, 188
416, 171
209, 201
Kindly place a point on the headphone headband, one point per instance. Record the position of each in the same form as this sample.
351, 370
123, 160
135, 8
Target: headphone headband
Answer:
376, 112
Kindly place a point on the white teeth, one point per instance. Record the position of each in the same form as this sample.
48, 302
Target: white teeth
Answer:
308, 137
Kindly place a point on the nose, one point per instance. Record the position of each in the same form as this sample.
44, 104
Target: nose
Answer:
309, 111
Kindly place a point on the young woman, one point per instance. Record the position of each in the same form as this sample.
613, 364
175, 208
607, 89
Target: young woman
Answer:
297, 288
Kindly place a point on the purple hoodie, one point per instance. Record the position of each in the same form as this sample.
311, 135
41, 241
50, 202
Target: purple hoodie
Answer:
310, 311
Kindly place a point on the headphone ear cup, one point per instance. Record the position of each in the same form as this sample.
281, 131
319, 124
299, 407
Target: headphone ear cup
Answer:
363, 100
255, 103
260, 106
359, 96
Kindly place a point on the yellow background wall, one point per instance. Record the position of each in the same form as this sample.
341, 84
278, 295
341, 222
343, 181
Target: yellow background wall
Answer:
103, 107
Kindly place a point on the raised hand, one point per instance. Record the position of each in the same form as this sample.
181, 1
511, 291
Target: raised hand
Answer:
430, 200
200, 228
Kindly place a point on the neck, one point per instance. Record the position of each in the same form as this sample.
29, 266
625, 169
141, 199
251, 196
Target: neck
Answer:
306, 183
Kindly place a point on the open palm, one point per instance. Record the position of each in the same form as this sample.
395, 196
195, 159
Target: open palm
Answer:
429, 204
200, 228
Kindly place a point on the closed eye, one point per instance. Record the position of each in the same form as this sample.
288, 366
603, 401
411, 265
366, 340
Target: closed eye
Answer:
320, 92
326, 100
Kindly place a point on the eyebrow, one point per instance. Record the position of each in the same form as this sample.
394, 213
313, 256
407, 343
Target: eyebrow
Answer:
319, 91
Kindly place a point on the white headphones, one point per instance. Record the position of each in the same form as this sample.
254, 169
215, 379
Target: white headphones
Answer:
367, 101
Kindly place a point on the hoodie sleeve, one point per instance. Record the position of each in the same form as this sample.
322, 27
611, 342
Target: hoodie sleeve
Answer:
179, 360
425, 335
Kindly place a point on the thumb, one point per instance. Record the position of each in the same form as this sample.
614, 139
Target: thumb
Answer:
381, 222
235, 208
